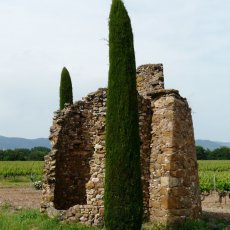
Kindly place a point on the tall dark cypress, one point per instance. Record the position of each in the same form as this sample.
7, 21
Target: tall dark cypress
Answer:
66, 94
123, 192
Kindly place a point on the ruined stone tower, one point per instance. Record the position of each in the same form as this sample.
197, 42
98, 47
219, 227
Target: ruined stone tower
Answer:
74, 169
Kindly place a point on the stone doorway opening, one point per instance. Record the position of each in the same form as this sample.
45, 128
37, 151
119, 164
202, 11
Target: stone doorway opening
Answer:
73, 172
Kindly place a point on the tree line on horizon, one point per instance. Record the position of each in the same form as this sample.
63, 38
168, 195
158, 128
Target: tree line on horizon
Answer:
38, 154
222, 153
23, 154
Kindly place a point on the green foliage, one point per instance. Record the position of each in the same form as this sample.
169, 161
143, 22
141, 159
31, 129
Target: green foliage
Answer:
66, 94
33, 219
34, 154
38, 153
222, 153
27, 219
206, 223
214, 165
15, 182
192, 224
205, 182
214, 174
21, 168
123, 192
201, 153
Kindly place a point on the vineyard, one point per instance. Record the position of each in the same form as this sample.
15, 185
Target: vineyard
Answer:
214, 175
20, 168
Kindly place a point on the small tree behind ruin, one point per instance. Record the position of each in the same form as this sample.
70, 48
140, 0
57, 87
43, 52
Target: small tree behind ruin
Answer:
66, 95
123, 192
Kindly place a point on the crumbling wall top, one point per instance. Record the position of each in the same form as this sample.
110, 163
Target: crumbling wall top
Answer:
149, 78
162, 92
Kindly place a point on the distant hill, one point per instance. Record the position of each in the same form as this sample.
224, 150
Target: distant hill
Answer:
212, 144
16, 142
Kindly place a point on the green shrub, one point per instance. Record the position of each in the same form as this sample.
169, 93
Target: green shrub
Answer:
66, 95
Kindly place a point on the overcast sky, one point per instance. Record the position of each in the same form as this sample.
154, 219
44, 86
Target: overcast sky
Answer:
38, 37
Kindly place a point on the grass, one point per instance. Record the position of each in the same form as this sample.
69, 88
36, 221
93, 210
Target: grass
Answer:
203, 224
17, 173
15, 182
11, 219
32, 219
21, 168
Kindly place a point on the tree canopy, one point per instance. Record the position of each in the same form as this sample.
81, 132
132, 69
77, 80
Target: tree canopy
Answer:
222, 153
34, 154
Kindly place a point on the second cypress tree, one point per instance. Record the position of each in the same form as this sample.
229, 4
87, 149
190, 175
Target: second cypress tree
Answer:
66, 94
123, 192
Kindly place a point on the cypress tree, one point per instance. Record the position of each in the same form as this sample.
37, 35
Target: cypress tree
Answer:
66, 95
123, 191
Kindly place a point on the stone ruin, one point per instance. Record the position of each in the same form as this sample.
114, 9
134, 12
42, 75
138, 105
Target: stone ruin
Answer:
74, 170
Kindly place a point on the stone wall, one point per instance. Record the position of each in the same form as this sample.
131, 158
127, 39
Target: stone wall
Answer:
75, 168
174, 191
145, 119
149, 78
74, 188
75, 149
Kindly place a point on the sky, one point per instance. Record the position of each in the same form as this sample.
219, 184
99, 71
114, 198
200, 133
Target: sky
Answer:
38, 37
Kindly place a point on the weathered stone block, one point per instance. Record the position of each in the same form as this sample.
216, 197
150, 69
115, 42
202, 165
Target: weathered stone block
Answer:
90, 185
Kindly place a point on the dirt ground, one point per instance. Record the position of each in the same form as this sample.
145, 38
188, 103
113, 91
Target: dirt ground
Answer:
212, 206
21, 197
31, 198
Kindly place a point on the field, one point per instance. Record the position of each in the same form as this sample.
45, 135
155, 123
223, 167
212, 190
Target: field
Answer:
17, 193
20, 168
20, 173
214, 175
